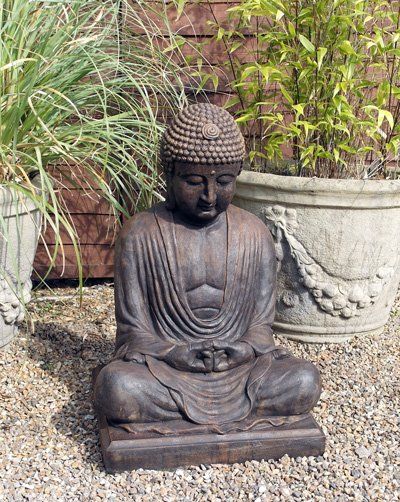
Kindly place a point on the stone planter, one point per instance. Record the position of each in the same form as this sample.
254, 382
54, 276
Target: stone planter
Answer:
338, 246
19, 234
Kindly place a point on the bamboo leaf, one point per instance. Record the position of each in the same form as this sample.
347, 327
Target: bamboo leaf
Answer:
249, 71
286, 94
306, 43
245, 118
292, 29
299, 108
235, 46
321, 52
347, 48
385, 114
220, 33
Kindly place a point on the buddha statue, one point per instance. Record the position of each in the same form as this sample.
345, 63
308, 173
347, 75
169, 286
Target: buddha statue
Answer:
195, 296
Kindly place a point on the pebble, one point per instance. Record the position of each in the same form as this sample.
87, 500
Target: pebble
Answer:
262, 489
49, 447
363, 452
356, 473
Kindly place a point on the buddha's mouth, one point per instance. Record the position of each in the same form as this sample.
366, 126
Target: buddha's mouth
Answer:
206, 207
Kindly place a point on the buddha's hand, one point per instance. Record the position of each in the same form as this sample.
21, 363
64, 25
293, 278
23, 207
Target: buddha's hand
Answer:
232, 355
193, 357
128, 352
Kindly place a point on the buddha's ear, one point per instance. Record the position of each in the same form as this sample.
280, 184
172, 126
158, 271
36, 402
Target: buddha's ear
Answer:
241, 167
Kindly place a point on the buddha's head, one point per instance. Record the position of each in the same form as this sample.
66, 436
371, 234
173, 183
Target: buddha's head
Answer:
202, 152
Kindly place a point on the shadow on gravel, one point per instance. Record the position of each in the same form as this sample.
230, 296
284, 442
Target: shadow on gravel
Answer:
71, 358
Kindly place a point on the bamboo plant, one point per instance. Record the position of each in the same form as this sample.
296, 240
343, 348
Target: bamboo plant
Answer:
318, 80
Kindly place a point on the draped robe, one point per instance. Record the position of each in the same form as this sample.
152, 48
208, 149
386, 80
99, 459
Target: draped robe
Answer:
153, 313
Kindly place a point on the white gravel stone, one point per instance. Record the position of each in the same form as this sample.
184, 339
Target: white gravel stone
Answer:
49, 449
363, 452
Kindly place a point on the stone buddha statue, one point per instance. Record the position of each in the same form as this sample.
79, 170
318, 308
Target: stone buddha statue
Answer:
195, 296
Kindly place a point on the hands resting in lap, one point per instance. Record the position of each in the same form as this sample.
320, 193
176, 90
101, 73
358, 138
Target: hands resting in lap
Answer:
201, 357
204, 357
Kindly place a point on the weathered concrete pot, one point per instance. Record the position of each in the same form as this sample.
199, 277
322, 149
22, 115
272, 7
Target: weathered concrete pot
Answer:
19, 233
338, 243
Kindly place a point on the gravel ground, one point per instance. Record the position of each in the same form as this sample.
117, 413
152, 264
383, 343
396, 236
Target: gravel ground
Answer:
49, 442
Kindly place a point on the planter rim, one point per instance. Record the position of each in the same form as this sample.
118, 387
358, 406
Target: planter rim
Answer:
11, 197
350, 193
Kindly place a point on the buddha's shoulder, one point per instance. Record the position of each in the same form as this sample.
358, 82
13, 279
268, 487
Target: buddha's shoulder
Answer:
248, 222
143, 223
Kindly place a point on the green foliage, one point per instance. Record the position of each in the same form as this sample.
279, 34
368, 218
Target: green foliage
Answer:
322, 78
79, 87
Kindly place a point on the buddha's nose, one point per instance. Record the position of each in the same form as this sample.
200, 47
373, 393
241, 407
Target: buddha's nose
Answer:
209, 195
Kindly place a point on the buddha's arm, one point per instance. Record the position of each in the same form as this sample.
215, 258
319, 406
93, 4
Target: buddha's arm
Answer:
136, 336
258, 339
259, 335
135, 332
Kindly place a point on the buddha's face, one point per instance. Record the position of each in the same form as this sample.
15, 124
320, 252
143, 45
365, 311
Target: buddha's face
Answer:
202, 192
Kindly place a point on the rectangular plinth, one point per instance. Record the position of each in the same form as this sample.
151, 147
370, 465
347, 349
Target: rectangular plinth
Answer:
126, 451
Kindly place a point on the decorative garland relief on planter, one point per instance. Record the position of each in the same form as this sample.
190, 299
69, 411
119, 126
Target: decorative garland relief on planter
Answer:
12, 305
333, 295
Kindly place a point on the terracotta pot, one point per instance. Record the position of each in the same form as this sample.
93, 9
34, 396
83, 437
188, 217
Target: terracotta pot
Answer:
19, 234
337, 243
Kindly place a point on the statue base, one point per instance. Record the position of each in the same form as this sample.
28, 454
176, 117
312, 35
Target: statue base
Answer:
124, 450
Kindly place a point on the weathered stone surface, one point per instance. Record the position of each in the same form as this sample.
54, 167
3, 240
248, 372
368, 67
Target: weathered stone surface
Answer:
337, 242
195, 282
19, 234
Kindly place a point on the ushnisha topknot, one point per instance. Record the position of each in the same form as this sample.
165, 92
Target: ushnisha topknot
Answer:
201, 134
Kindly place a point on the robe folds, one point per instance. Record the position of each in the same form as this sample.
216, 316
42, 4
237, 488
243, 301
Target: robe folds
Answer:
153, 314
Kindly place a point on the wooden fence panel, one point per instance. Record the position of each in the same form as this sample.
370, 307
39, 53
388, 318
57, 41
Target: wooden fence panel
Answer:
90, 214
96, 228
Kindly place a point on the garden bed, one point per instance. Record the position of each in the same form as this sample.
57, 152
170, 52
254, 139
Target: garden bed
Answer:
49, 439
